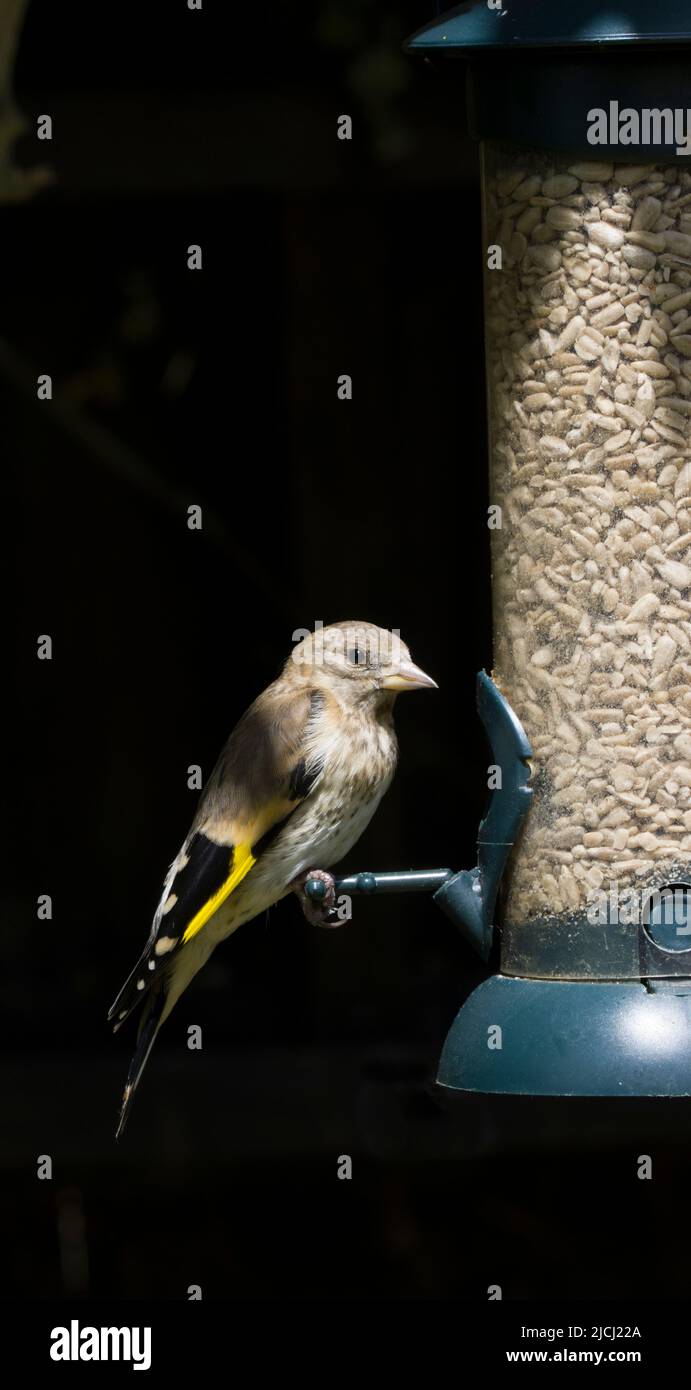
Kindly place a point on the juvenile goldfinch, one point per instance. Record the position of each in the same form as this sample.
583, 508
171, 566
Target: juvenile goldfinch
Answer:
297, 782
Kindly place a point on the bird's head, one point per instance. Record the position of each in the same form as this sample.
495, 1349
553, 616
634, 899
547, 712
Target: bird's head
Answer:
359, 661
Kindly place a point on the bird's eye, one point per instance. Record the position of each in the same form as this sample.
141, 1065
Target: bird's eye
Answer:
357, 655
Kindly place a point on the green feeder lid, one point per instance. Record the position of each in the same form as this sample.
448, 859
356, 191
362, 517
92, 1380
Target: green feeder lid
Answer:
546, 24
536, 69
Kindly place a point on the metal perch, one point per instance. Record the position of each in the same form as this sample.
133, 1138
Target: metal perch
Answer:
393, 881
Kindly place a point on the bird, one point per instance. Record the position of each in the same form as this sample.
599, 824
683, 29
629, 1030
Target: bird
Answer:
297, 782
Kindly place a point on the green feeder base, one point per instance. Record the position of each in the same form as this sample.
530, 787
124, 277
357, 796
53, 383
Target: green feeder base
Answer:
571, 1038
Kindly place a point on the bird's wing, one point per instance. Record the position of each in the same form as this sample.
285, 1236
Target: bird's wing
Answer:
267, 768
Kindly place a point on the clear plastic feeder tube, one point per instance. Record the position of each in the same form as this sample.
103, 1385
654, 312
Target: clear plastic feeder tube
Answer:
588, 344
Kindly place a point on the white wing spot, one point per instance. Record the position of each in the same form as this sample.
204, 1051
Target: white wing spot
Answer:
140, 984
165, 943
169, 902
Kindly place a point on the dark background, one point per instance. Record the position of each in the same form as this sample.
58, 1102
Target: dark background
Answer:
219, 388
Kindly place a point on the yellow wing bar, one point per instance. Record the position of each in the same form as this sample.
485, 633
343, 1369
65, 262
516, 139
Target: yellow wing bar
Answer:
241, 861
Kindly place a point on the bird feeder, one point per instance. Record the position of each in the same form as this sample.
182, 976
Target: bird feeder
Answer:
584, 857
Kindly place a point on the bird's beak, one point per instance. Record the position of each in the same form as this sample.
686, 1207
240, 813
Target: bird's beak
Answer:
409, 677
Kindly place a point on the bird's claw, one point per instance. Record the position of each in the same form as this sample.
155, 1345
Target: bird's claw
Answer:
318, 908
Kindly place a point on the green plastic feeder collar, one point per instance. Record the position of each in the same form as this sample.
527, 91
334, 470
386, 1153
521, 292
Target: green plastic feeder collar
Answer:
536, 68
583, 880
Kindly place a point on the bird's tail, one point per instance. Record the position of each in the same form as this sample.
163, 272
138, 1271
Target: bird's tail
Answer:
149, 1024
